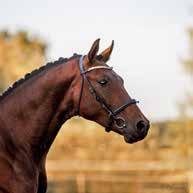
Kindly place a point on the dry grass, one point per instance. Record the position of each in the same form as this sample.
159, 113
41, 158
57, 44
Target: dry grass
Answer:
80, 139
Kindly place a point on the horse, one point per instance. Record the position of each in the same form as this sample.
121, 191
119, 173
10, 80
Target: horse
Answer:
33, 110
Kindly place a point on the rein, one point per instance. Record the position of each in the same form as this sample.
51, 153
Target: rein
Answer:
112, 115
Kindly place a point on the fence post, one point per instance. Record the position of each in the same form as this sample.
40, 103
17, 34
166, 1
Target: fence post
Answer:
81, 183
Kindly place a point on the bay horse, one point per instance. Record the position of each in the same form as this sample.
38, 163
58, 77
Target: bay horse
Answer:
35, 107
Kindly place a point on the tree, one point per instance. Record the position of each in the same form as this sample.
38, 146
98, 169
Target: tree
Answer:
186, 107
19, 54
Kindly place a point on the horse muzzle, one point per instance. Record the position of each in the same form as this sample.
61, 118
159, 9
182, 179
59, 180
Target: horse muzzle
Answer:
136, 134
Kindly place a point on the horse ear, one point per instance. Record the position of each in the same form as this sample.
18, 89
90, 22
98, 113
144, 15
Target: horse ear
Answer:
93, 51
105, 55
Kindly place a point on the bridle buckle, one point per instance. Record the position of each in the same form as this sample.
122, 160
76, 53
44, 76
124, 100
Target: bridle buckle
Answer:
120, 122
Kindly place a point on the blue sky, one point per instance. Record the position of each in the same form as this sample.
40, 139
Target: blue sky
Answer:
150, 38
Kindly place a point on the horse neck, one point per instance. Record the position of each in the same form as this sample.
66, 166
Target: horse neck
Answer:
35, 111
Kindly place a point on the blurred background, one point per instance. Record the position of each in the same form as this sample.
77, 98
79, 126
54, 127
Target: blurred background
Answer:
153, 53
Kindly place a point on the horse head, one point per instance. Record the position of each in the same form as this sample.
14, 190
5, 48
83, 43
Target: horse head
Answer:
103, 98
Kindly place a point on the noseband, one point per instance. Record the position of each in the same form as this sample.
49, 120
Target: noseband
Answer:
112, 115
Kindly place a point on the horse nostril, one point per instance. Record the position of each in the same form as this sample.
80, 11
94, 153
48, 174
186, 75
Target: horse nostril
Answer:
141, 126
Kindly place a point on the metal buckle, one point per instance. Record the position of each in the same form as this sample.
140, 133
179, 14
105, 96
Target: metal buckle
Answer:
120, 122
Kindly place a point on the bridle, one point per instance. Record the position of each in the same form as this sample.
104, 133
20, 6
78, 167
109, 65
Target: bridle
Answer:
119, 121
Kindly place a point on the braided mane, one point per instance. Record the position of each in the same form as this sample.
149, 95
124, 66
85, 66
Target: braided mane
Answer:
36, 72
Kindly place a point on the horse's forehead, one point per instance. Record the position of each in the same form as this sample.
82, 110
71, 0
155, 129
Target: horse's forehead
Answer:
111, 73
100, 63
114, 76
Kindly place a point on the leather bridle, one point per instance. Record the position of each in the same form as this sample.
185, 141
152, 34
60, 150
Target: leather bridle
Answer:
119, 121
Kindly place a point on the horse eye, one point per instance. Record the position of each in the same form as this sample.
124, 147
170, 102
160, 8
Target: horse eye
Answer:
103, 82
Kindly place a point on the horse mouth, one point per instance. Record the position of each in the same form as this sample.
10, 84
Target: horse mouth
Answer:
129, 138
